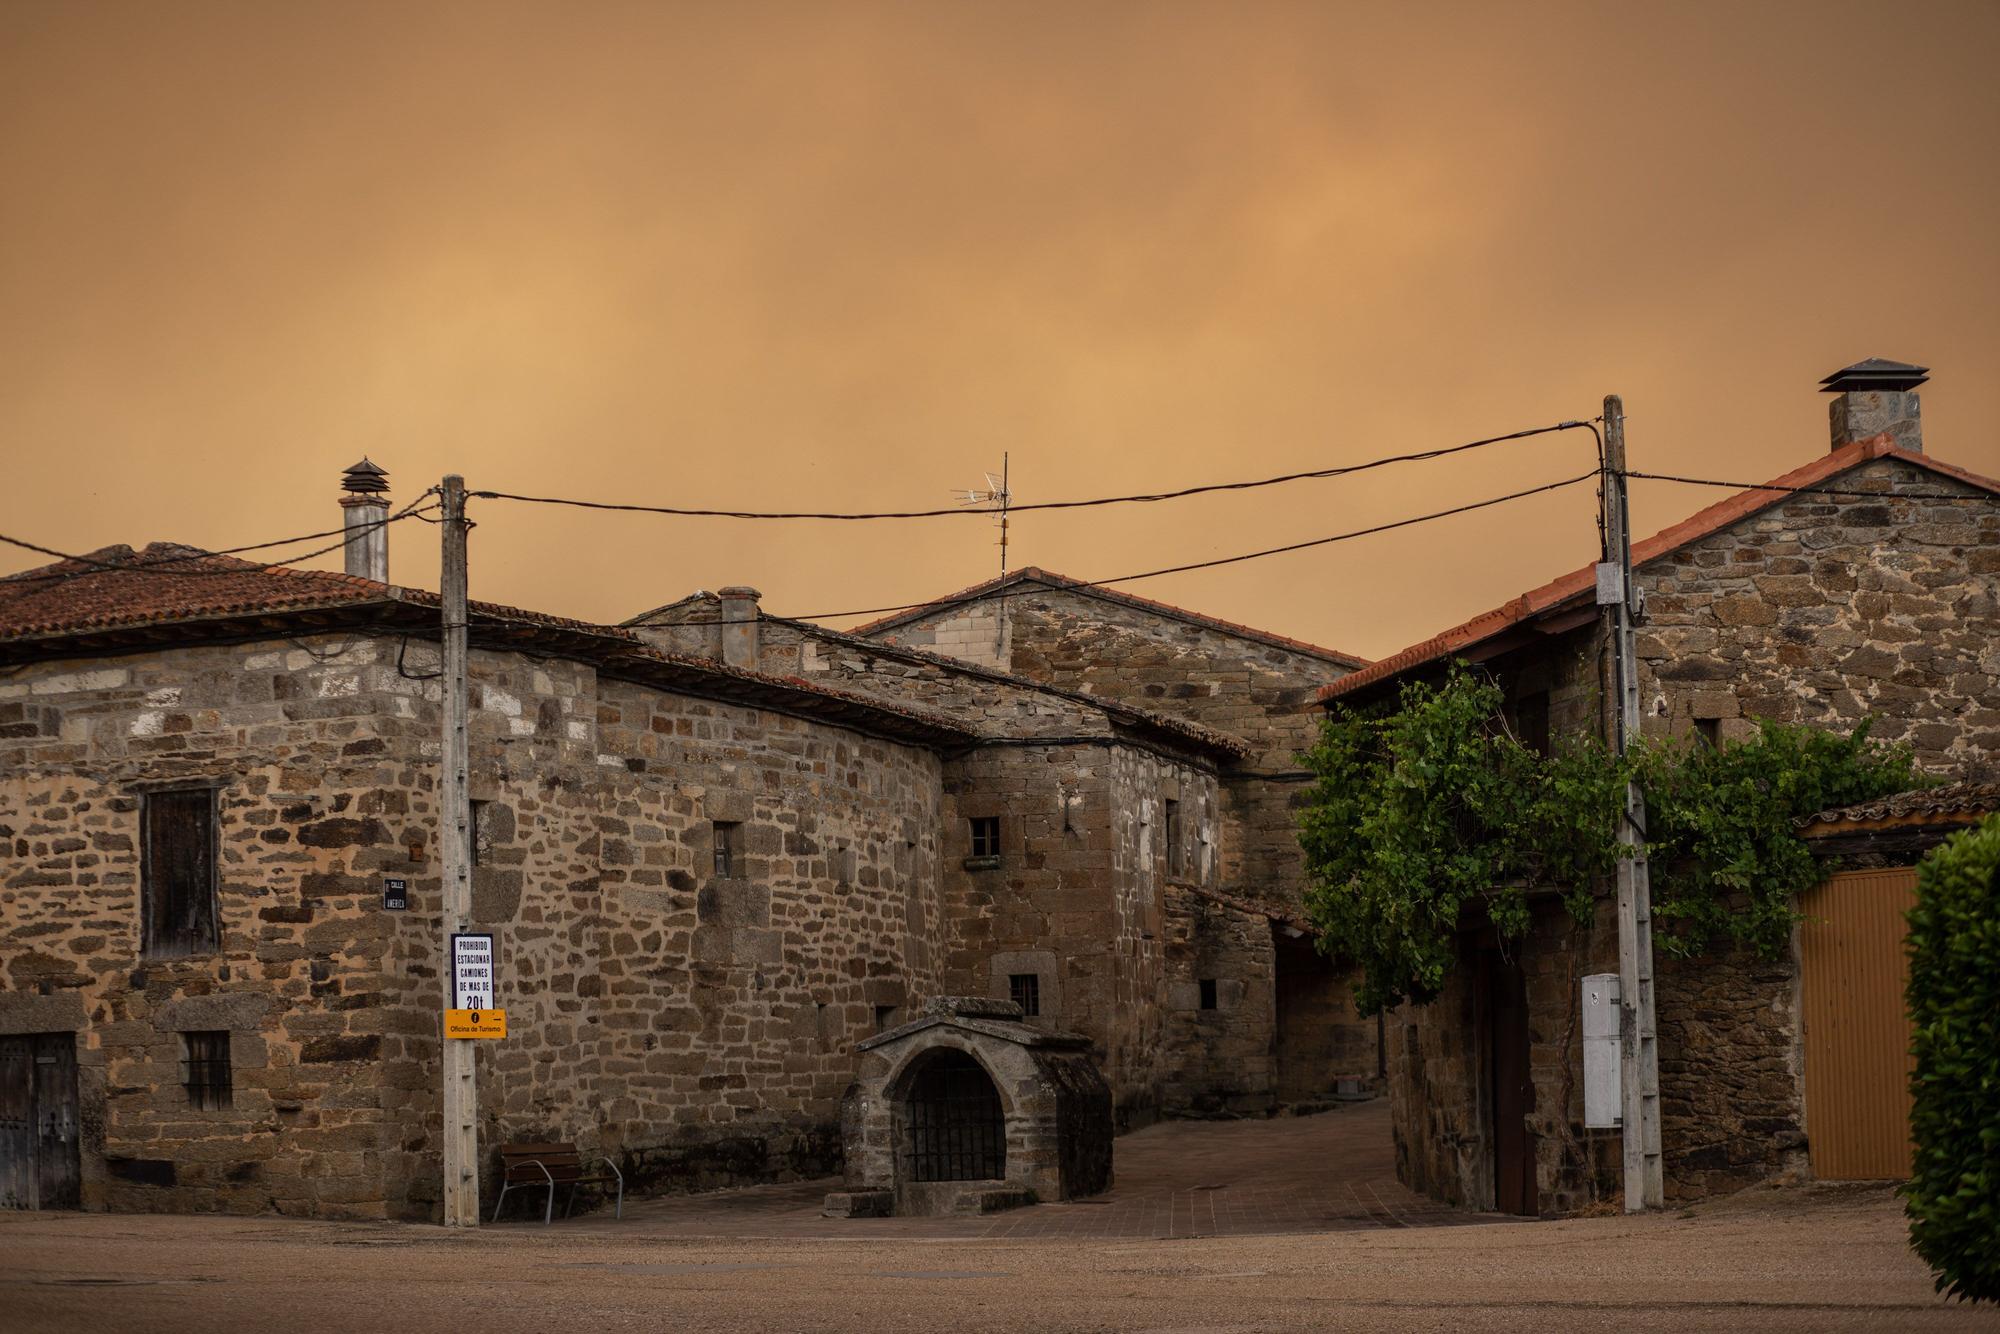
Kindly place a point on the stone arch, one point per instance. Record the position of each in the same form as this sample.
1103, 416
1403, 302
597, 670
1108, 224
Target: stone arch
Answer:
951, 1117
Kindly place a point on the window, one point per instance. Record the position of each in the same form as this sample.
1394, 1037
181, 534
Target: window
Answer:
885, 1018
1531, 721
1025, 989
178, 873
481, 840
728, 849
207, 1069
986, 836
1708, 732
1174, 858
1207, 993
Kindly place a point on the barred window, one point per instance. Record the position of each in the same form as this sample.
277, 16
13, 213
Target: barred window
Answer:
986, 836
1026, 991
206, 1069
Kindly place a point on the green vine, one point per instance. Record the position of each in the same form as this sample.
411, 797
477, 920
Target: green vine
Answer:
1431, 816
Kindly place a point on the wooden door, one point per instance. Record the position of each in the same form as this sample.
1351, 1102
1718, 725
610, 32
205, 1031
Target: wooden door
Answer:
40, 1162
1510, 1085
58, 1165
17, 1123
1857, 1031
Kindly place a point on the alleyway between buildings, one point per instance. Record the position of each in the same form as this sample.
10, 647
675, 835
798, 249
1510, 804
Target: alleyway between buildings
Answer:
1822, 1258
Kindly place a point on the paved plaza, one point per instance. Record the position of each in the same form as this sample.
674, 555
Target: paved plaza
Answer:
1326, 1173
1241, 1226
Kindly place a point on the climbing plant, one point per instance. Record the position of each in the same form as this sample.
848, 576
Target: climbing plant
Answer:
1430, 815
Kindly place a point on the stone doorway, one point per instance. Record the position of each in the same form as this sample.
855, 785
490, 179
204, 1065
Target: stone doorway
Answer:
953, 1126
968, 1110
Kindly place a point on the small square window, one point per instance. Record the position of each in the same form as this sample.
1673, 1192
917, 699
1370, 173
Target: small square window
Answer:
206, 1069
1708, 732
885, 1018
1208, 993
986, 836
1025, 989
728, 849
1173, 822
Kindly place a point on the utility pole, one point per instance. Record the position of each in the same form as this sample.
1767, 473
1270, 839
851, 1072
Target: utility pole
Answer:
461, 1091
1639, 1055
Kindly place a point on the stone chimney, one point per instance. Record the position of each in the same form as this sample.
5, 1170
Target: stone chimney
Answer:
1874, 396
740, 646
366, 507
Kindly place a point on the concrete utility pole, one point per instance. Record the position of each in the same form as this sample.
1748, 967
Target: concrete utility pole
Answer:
1639, 1055
461, 1091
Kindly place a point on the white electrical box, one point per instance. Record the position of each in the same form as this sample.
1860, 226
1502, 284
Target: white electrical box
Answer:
1602, 1106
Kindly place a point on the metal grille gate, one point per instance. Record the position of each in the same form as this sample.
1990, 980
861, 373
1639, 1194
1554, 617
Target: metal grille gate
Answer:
957, 1130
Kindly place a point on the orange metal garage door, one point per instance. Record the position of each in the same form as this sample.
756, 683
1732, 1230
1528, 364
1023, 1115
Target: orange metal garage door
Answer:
1857, 1034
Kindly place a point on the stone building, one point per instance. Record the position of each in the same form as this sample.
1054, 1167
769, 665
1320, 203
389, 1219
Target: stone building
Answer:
1255, 1017
1841, 592
715, 857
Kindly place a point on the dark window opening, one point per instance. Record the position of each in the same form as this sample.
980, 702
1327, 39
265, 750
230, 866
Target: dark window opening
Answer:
178, 830
1025, 989
885, 1018
481, 840
1173, 822
986, 836
728, 849
1208, 993
957, 1130
207, 1069
1531, 721
1708, 731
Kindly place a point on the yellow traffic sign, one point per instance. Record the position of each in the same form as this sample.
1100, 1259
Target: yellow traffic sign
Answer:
475, 1023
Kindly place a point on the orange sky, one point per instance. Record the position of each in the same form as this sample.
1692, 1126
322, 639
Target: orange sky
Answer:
844, 255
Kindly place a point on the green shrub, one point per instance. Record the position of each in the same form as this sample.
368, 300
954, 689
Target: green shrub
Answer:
1954, 999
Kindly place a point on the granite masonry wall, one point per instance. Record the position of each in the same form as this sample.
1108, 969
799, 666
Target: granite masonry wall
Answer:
1821, 610
698, 1028
1251, 688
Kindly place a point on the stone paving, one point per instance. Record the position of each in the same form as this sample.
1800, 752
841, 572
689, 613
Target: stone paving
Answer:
1325, 1173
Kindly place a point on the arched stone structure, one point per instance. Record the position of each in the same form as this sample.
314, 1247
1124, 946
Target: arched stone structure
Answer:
919, 1121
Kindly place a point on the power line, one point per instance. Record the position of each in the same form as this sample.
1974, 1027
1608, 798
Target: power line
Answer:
94, 566
1207, 565
1802, 490
1143, 498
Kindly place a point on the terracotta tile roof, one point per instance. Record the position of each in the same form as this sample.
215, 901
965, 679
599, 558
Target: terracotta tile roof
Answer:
1050, 579
80, 607
1575, 585
1955, 803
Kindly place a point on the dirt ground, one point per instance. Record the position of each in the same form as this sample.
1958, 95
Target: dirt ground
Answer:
1804, 1259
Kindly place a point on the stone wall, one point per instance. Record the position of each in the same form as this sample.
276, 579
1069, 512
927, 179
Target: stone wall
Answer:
1252, 688
307, 797
1076, 895
1828, 610
1222, 1057
700, 1029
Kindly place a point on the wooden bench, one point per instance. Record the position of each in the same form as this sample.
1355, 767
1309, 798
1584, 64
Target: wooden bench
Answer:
552, 1165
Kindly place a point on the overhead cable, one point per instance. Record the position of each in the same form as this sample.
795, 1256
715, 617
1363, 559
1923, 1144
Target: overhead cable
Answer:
1210, 564
1810, 489
93, 566
1144, 498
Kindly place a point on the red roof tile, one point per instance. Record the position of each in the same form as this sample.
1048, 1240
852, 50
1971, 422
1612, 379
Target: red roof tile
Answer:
1574, 585
1032, 574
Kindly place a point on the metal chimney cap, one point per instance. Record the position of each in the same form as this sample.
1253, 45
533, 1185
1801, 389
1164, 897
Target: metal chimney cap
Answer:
365, 478
1875, 373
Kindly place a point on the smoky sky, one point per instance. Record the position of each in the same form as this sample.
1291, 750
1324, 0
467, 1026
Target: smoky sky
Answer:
840, 255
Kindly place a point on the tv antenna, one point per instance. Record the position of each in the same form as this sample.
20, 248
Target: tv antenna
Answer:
998, 495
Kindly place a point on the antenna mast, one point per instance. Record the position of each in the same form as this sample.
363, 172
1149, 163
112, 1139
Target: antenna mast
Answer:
999, 494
